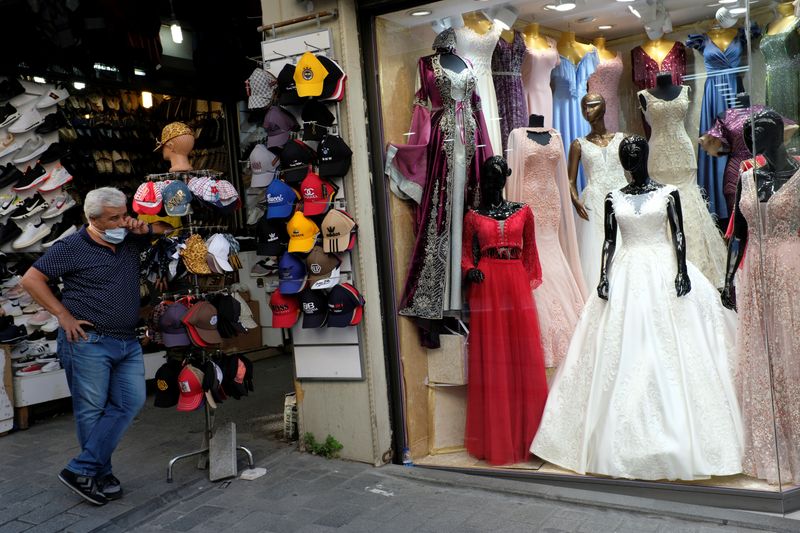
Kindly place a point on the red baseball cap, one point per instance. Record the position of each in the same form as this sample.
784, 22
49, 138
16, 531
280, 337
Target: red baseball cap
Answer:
148, 200
318, 194
285, 310
190, 385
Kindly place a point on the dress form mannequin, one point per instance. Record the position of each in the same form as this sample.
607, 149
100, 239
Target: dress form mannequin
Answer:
722, 37
541, 137
507, 35
177, 151
533, 40
633, 154
664, 89
536, 121
786, 18
658, 49
593, 107
477, 22
570, 48
604, 53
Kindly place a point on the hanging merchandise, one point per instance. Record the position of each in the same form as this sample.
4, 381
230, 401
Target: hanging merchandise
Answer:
303, 233
218, 251
167, 391
260, 86
176, 199
334, 157
287, 88
507, 64
201, 323
264, 166
309, 74
318, 194
338, 232
280, 200
317, 120
296, 160
194, 255
285, 309
334, 83
345, 306
190, 382
279, 124
272, 239
605, 82
781, 49
292, 274
315, 309
322, 268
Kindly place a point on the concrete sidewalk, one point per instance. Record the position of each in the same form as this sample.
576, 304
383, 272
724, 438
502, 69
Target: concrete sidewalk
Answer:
303, 493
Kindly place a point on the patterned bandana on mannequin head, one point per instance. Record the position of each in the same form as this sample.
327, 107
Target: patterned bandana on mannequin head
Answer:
445, 41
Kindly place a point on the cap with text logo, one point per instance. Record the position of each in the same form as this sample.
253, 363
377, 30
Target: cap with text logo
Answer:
309, 75
272, 239
190, 385
285, 309
260, 86
320, 266
280, 200
302, 233
263, 166
296, 160
315, 309
345, 306
338, 229
287, 89
201, 323
334, 157
292, 275
317, 193
279, 123
176, 198
333, 85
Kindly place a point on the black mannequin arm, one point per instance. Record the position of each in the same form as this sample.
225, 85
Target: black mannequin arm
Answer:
675, 216
609, 246
475, 275
736, 247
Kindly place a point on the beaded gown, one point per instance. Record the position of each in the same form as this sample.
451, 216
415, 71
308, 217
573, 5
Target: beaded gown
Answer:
646, 390
782, 58
644, 70
605, 82
536, 70
539, 179
767, 297
507, 387
512, 108
672, 162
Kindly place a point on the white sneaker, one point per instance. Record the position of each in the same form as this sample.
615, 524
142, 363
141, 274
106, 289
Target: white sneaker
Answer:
33, 147
10, 149
32, 308
8, 204
12, 309
11, 282
58, 205
30, 349
51, 325
29, 120
40, 319
52, 366
32, 234
58, 178
70, 230
51, 98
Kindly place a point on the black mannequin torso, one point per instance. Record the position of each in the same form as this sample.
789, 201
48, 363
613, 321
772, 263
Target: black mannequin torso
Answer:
452, 62
536, 121
540, 137
664, 89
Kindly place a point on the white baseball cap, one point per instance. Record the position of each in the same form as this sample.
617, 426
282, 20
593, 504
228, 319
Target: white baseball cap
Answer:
218, 250
263, 165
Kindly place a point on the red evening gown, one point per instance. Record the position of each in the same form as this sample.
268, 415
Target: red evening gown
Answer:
507, 386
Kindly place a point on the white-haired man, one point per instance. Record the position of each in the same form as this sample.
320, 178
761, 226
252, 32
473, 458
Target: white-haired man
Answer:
97, 343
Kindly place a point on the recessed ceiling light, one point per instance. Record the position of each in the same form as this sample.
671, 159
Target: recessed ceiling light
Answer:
626, 0
605, 27
728, 1
561, 5
586, 20
420, 12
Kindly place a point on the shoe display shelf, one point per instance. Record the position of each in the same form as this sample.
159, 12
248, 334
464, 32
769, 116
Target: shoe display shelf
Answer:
48, 386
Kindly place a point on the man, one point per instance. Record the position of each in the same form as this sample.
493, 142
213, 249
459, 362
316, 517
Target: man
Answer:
97, 344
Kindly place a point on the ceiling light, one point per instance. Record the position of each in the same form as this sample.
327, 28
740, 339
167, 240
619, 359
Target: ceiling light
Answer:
738, 10
561, 5
626, 0
727, 1
634, 12
147, 99
420, 12
139, 72
176, 32
504, 17
39, 79
79, 85
605, 27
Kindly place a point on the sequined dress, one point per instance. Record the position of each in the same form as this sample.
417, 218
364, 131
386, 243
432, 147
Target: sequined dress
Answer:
644, 70
768, 298
605, 82
646, 390
782, 58
539, 179
672, 162
507, 76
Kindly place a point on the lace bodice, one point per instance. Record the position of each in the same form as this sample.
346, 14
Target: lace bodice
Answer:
539, 188
478, 48
601, 163
672, 154
781, 213
642, 218
459, 83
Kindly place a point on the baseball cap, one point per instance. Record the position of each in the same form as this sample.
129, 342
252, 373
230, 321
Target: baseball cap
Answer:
172, 130
285, 309
302, 233
260, 88
246, 318
201, 323
218, 251
337, 227
296, 158
345, 306
318, 194
287, 89
280, 199
317, 118
235, 372
190, 384
167, 391
228, 312
263, 166
309, 75
320, 265
334, 157
291, 274
278, 122
176, 198
315, 309
271, 237
173, 332
333, 84
148, 200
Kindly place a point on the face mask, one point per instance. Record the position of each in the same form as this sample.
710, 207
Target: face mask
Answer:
114, 236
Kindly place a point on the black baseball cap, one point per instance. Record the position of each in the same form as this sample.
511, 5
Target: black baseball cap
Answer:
296, 158
345, 306
332, 84
334, 157
317, 118
272, 238
287, 89
315, 308
167, 391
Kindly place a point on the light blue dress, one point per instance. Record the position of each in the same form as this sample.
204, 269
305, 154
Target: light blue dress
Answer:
569, 86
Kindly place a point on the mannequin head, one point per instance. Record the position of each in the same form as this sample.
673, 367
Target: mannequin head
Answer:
593, 107
177, 140
494, 172
766, 129
445, 42
633, 153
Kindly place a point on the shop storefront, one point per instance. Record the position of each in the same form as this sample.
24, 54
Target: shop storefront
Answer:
610, 308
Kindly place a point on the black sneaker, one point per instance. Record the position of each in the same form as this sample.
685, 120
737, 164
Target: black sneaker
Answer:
83, 486
110, 486
52, 122
63, 229
8, 114
33, 176
53, 153
12, 334
9, 232
12, 177
29, 207
10, 88
6, 170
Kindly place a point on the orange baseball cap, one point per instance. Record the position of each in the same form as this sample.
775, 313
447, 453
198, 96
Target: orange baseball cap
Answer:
302, 233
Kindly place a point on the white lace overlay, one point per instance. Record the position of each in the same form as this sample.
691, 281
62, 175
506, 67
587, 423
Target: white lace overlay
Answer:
646, 391
673, 162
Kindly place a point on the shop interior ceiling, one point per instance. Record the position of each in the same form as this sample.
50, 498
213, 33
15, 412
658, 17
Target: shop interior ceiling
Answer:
584, 19
65, 39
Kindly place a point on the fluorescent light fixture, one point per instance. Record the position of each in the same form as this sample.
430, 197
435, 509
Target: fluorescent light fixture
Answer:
605, 27
504, 17
561, 5
626, 1
727, 1
139, 72
420, 12
176, 32
147, 99
39, 79
634, 12
79, 85
108, 68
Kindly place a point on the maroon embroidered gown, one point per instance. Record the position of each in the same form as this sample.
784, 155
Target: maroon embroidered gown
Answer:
644, 70
507, 386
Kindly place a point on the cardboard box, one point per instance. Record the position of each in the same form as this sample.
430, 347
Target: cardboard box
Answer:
447, 417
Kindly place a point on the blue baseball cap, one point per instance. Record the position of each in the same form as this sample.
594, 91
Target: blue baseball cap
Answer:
280, 199
176, 198
292, 274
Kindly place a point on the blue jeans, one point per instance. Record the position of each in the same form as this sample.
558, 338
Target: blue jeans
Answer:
106, 380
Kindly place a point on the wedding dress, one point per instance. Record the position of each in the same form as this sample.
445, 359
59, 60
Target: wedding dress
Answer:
673, 162
646, 390
604, 173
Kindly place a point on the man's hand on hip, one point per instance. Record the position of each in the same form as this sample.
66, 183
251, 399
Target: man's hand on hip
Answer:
73, 327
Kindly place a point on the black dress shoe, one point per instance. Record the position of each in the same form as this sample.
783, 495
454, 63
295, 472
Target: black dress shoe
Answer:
84, 486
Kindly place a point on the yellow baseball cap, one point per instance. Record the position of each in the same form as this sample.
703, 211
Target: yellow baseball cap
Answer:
302, 233
309, 75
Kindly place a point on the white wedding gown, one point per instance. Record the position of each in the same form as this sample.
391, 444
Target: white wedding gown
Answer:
646, 390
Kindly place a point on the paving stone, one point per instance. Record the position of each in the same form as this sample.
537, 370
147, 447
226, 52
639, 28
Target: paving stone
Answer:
194, 517
56, 523
341, 515
14, 527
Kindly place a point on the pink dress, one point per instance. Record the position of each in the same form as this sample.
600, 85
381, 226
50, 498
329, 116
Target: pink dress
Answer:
536, 80
539, 179
605, 82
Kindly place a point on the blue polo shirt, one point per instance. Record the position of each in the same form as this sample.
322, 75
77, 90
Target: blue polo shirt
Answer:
100, 285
